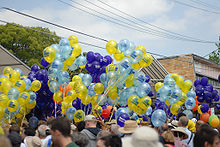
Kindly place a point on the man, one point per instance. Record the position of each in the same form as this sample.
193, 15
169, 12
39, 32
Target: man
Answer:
43, 131
198, 124
91, 131
183, 122
60, 132
206, 137
109, 141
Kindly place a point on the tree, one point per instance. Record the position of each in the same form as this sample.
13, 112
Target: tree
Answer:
215, 55
25, 44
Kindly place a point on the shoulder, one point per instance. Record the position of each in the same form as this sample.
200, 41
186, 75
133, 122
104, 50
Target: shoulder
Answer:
72, 144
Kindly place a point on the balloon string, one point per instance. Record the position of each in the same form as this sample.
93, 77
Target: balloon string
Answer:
23, 116
9, 117
55, 114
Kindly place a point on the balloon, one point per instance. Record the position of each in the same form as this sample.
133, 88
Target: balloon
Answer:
79, 116
118, 55
136, 56
218, 106
169, 82
70, 113
54, 86
20, 85
3, 100
76, 50
158, 85
99, 88
13, 93
133, 101
87, 79
70, 96
121, 111
49, 54
19, 70
111, 47
35, 85
205, 117
81, 60
129, 81
66, 51
105, 113
33, 122
57, 64
195, 108
12, 105
191, 93
149, 111
146, 61
64, 42
145, 102
86, 100
199, 110
175, 109
214, 122
197, 82
27, 82
123, 45
14, 76
73, 67
188, 113
23, 98
204, 81
122, 118
1, 112
73, 39
139, 78
165, 91
43, 62
7, 70
158, 118
31, 104
81, 91
190, 103
187, 86
204, 107
179, 81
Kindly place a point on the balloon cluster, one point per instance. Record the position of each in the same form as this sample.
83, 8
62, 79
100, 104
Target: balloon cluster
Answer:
17, 94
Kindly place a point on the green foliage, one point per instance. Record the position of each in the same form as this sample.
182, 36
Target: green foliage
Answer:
215, 55
25, 44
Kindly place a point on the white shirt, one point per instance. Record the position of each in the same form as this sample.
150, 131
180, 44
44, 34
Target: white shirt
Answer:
189, 136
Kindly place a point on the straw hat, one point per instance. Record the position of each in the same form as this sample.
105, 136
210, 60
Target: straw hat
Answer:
181, 129
33, 141
111, 122
129, 127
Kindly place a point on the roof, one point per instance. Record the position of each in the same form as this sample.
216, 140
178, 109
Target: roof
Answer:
8, 59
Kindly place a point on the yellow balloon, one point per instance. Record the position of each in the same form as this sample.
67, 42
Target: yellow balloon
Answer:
7, 70
20, 85
183, 99
2, 112
23, 98
174, 76
72, 84
136, 65
158, 85
86, 100
21, 112
70, 60
113, 95
99, 88
82, 66
76, 78
142, 48
110, 67
175, 109
49, 54
118, 55
65, 67
93, 99
133, 102
35, 85
79, 116
111, 47
99, 110
70, 96
140, 110
3, 100
14, 76
31, 104
179, 82
12, 105
73, 39
167, 102
145, 102
81, 91
147, 59
58, 97
129, 81
187, 86
199, 110
2, 81
76, 50
6, 87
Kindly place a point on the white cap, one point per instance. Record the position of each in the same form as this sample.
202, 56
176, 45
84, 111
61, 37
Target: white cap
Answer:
90, 118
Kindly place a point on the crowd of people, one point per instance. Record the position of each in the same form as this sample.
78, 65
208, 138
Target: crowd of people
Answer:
92, 132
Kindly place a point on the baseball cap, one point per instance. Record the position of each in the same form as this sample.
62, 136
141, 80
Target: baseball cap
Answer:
90, 118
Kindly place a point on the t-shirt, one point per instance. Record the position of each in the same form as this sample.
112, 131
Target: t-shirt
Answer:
72, 144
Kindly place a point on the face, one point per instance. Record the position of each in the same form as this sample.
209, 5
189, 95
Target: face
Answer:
55, 136
216, 143
100, 143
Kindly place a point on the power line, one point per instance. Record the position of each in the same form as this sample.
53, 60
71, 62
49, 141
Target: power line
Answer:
205, 4
152, 25
198, 8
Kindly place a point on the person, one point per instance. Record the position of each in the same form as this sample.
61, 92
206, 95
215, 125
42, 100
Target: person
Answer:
183, 122
91, 130
14, 128
60, 132
80, 139
129, 127
179, 134
109, 141
28, 132
114, 129
206, 137
15, 138
4, 142
102, 133
143, 136
43, 131
198, 124
33, 141
168, 138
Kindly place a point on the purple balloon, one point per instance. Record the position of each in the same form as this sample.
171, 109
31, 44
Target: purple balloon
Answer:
218, 106
43, 62
35, 68
76, 103
89, 67
197, 82
204, 108
200, 99
97, 56
219, 78
103, 69
122, 118
209, 88
147, 78
90, 57
208, 100
107, 60
96, 66
214, 93
150, 94
216, 98
204, 81
207, 94
145, 118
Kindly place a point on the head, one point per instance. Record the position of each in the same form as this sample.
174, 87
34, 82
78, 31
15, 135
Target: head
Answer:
14, 128
198, 124
81, 126
206, 137
109, 141
183, 121
4, 141
114, 129
42, 131
29, 131
103, 133
90, 121
33, 141
129, 127
15, 139
168, 137
180, 133
180, 115
60, 128
80, 139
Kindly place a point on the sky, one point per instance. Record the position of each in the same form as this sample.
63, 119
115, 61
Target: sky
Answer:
166, 14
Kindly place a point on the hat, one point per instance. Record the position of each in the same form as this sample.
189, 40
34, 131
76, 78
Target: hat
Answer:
143, 136
113, 121
90, 118
33, 141
129, 127
173, 124
180, 129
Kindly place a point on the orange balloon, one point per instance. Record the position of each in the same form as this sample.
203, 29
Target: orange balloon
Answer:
109, 108
64, 90
195, 108
197, 100
204, 117
214, 122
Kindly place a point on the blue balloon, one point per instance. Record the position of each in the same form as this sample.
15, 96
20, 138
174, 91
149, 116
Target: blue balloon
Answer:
91, 91
191, 93
73, 67
90, 56
81, 75
188, 113
218, 106
76, 103
103, 78
219, 78
33, 96
52, 72
81, 60
204, 81
70, 112
87, 79
56, 47
176, 93
136, 56
110, 102
63, 77
54, 86
204, 108
122, 118
124, 65
64, 42
200, 99
123, 45
134, 116
57, 64
169, 82
66, 51
33, 122
43, 62
149, 111
101, 99
139, 78
147, 78
216, 98
190, 103
13, 93
146, 87
121, 111
158, 118
19, 70
165, 91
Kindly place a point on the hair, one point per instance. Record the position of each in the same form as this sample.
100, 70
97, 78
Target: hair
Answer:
112, 141
41, 122
42, 130
29, 131
14, 128
61, 124
114, 129
178, 134
168, 137
103, 133
184, 121
180, 115
81, 126
204, 134
80, 139
4, 141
